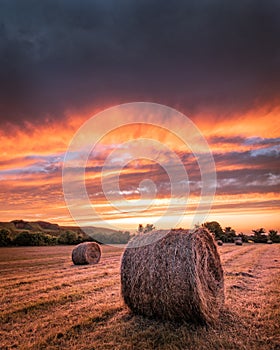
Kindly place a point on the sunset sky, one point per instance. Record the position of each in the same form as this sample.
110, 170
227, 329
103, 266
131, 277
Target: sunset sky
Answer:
216, 62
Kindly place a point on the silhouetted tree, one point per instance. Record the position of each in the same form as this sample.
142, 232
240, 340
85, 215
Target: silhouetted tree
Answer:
215, 228
273, 236
229, 234
147, 228
5, 239
259, 235
243, 237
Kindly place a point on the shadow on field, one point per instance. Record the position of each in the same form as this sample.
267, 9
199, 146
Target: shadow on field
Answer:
137, 332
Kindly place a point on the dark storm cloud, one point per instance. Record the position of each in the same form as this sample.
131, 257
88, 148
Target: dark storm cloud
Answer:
264, 158
241, 140
57, 55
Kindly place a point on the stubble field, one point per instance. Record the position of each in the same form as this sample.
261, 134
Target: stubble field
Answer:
47, 303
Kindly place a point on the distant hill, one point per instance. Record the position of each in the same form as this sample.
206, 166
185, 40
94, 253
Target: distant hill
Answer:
99, 234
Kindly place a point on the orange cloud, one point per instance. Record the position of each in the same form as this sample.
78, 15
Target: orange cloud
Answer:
262, 121
245, 149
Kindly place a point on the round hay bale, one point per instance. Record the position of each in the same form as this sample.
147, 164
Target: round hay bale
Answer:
238, 242
86, 253
269, 241
177, 277
219, 242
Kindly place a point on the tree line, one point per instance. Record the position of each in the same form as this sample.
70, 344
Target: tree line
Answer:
26, 238
229, 235
226, 235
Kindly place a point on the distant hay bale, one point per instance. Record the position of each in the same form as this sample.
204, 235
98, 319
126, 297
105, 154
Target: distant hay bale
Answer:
269, 241
238, 242
219, 242
176, 277
86, 253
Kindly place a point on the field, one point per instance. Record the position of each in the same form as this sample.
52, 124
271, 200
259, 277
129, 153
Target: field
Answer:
47, 303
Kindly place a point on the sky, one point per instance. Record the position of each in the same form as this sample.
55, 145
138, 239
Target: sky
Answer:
217, 62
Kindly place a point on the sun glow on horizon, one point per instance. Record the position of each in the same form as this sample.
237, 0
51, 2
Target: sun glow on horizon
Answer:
245, 154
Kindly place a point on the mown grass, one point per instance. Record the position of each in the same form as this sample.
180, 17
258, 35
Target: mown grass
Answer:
47, 303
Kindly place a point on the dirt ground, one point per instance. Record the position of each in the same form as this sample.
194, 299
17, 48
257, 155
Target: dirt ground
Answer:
47, 303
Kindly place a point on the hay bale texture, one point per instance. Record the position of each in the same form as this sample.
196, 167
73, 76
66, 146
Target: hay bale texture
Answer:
178, 277
86, 253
